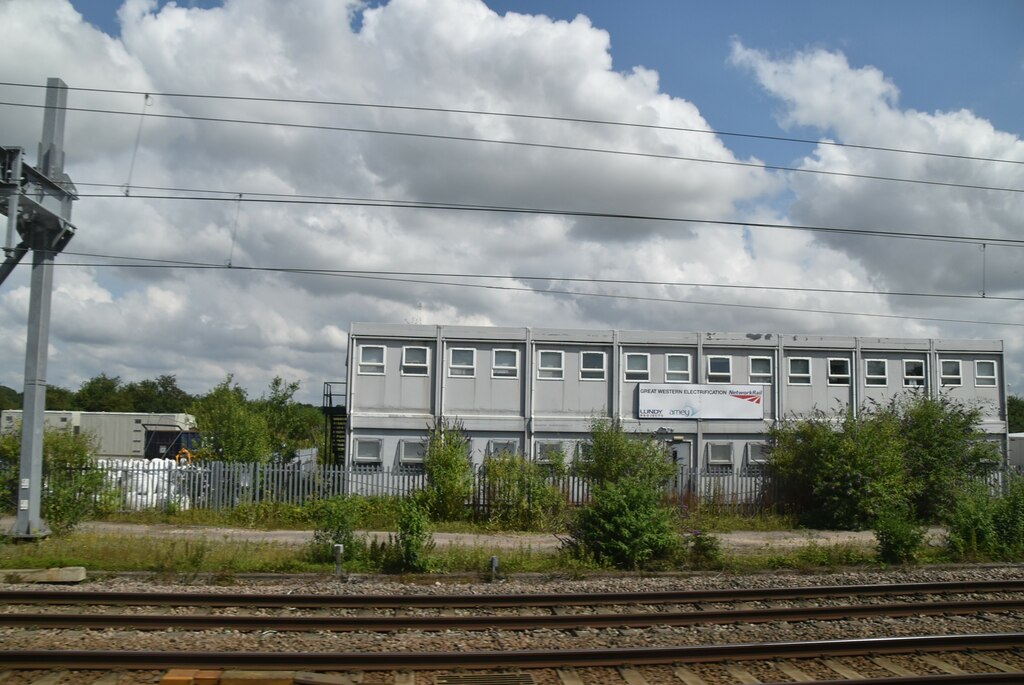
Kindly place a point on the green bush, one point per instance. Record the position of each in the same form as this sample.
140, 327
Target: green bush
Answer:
899, 537
983, 526
624, 525
335, 522
74, 490
703, 550
449, 472
839, 471
407, 551
520, 496
943, 447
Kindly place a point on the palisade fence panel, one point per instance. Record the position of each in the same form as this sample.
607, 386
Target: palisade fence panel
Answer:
135, 485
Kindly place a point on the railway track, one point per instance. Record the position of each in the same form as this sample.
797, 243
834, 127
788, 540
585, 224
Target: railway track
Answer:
651, 637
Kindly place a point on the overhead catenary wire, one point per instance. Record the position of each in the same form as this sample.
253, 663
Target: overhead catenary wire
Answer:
538, 117
567, 279
550, 291
276, 198
529, 144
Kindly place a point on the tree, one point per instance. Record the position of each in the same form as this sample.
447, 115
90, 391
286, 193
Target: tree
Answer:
10, 398
59, 399
1015, 413
232, 430
293, 426
102, 393
158, 396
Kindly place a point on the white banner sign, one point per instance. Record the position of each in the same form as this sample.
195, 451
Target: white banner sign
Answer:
686, 401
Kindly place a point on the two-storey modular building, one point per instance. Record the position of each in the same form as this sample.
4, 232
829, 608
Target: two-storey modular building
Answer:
710, 396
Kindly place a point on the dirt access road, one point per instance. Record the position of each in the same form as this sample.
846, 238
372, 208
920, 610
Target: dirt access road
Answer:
741, 542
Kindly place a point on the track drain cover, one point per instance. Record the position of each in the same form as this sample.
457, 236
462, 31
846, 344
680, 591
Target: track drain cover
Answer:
487, 679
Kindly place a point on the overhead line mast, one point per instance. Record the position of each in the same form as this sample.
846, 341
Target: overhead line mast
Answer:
38, 210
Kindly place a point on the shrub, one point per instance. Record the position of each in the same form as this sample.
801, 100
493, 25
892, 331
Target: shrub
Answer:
839, 471
408, 550
519, 494
985, 526
943, 447
449, 472
703, 550
335, 521
898, 536
74, 490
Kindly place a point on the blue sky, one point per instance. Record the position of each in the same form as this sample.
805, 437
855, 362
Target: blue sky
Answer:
932, 75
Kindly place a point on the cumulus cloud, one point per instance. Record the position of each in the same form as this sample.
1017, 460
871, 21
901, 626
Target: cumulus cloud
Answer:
269, 315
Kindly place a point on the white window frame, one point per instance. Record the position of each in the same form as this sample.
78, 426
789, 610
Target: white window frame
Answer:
550, 373
793, 378
713, 460
636, 375
757, 453
503, 370
458, 370
593, 371
416, 368
990, 380
493, 451
538, 450
715, 376
760, 377
403, 458
839, 379
678, 378
364, 367
871, 379
357, 459
951, 380
908, 380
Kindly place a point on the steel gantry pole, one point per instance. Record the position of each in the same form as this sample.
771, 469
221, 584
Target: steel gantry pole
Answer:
40, 210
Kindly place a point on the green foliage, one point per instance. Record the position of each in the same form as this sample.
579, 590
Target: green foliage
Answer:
102, 393
232, 430
1015, 413
703, 550
983, 526
157, 396
898, 535
839, 471
407, 552
843, 472
74, 491
943, 447
616, 455
335, 522
449, 472
520, 495
9, 398
293, 426
624, 525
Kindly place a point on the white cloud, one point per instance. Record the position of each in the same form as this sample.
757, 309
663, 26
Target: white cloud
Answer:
205, 324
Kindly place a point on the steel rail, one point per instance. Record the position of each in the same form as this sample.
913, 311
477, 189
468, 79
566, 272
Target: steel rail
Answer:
499, 600
493, 659
475, 623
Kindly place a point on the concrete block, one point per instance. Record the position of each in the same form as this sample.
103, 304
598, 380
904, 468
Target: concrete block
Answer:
68, 574
207, 677
257, 678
